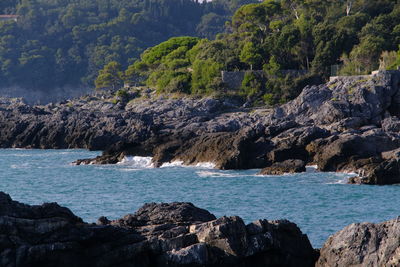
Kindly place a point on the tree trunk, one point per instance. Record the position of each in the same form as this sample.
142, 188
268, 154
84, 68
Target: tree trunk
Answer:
349, 6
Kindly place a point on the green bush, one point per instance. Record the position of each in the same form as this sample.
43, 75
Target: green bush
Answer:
252, 85
204, 73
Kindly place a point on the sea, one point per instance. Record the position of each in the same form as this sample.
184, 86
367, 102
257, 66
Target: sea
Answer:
319, 203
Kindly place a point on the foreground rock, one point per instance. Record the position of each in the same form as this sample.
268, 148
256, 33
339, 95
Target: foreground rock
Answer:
176, 234
345, 125
363, 244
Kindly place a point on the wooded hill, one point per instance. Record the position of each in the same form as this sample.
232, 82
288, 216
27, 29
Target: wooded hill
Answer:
56, 43
273, 36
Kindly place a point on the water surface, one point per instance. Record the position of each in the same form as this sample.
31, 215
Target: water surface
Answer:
320, 203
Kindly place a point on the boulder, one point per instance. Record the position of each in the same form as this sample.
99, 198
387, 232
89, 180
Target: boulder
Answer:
166, 234
385, 172
288, 166
363, 244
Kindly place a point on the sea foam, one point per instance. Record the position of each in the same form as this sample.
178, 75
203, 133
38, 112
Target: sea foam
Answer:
179, 163
137, 162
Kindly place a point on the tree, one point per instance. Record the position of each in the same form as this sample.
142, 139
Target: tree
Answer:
111, 76
250, 55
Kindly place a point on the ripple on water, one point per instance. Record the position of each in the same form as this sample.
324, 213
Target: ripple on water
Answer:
320, 203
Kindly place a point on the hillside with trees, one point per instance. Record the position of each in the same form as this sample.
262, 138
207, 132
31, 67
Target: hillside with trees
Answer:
307, 36
57, 43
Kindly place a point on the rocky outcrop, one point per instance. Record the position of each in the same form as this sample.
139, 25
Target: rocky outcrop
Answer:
288, 166
175, 234
344, 125
363, 244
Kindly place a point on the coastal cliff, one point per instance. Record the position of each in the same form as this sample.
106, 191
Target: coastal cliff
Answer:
350, 124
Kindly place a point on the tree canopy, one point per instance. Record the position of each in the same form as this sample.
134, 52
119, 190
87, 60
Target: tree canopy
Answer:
306, 37
66, 42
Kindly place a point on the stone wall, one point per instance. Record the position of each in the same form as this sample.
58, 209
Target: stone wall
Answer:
388, 73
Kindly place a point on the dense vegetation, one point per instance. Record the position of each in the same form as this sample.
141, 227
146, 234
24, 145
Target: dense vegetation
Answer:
275, 36
65, 42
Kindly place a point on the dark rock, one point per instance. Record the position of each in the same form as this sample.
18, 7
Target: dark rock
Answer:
386, 172
175, 234
291, 144
288, 166
334, 153
363, 244
165, 213
391, 124
337, 125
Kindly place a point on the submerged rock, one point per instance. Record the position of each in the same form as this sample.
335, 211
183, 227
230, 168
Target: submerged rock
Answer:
174, 234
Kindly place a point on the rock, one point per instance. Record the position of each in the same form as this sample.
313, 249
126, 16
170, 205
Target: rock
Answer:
391, 124
363, 244
173, 234
344, 124
386, 172
165, 213
242, 150
288, 166
336, 152
393, 154
195, 255
291, 144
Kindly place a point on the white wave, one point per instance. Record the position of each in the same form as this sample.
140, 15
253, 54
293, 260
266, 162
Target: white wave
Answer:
214, 174
130, 170
312, 168
176, 163
20, 166
179, 163
205, 165
223, 174
341, 181
20, 155
137, 162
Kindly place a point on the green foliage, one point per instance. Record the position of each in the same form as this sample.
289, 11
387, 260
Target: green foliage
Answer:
252, 85
155, 54
393, 60
110, 77
273, 67
64, 42
122, 93
280, 89
251, 55
205, 75
279, 37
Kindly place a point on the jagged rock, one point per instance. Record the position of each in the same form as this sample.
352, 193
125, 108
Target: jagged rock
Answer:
165, 213
291, 144
391, 124
385, 172
337, 125
175, 234
363, 244
335, 152
393, 154
288, 166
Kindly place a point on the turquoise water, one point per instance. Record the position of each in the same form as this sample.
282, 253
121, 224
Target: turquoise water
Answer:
318, 202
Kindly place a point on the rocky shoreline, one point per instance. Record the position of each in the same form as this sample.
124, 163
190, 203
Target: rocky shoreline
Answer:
180, 234
350, 124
